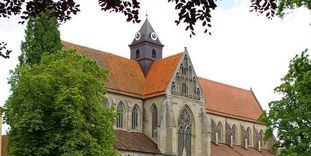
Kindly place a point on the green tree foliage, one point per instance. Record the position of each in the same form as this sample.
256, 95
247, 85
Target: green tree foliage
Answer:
56, 108
190, 12
41, 36
291, 115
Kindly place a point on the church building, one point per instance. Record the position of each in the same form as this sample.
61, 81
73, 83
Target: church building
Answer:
166, 109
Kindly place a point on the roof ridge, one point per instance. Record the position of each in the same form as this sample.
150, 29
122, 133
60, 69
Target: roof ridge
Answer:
228, 85
93, 49
172, 55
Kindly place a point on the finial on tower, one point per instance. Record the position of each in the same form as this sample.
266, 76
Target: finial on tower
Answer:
146, 14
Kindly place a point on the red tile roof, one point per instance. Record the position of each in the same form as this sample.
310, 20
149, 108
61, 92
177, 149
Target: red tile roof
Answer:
225, 100
222, 150
247, 152
225, 150
160, 74
136, 142
126, 76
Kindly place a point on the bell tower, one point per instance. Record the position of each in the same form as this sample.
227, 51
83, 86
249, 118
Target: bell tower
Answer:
146, 47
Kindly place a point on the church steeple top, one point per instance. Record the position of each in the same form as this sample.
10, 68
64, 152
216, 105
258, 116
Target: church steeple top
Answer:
146, 34
146, 47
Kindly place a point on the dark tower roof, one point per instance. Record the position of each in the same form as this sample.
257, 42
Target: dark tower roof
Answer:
146, 31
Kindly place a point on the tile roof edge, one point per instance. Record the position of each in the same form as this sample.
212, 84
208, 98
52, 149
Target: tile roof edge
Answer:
232, 116
174, 73
97, 50
221, 83
151, 95
240, 146
124, 93
159, 152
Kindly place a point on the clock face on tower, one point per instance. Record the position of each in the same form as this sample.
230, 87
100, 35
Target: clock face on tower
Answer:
154, 36
137, 36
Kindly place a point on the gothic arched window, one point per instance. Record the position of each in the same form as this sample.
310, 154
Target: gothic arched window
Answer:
261, 138
120, 111
219, 131
154, 122
135, 113
234, 134
137, 54
248, 136
184, 133
154, 53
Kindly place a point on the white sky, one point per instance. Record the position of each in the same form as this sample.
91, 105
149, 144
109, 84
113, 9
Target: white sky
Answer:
244, 50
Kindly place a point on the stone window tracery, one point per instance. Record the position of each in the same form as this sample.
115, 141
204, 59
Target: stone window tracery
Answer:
184, 133
261, 138
248, 136
154, 120
234, 134
120, 117
135, 113
219, 130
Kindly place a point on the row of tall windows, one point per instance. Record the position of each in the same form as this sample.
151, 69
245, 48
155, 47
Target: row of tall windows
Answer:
184, 125
135, 117
121, 113
217, 131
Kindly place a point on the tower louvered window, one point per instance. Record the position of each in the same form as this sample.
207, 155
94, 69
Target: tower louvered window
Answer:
137, 53
154, 53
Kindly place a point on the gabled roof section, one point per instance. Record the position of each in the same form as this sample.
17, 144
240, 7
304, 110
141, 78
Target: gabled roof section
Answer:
226, 100
185, 74
125, 75
136, 142
160, 74
145, 32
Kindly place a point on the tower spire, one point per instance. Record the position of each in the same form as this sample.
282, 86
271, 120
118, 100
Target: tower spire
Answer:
146, 14
146, 46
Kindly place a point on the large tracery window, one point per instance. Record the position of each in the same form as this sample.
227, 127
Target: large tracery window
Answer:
135, 113
184, 133
154, 120
120, 111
